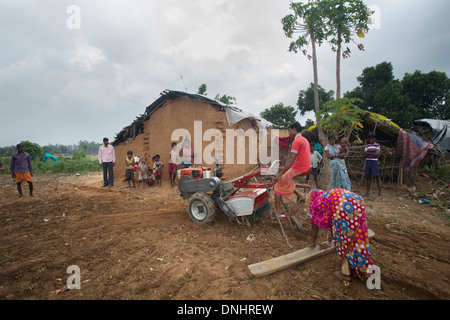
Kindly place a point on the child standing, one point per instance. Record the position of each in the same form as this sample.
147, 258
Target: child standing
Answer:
316, 158
129, 173
157, 169
372, 167
142, 169
173, 160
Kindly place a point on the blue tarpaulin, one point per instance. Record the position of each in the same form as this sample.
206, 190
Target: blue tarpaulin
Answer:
48, 155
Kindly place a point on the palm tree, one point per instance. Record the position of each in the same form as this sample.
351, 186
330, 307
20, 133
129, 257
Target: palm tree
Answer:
344, 20
307, 21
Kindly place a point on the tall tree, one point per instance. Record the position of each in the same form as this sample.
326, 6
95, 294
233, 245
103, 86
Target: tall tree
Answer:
345, 19
429, 93
35, 150
370, 81
202, 89
280, 115
307, 21
391, 102
418, 95
305, 100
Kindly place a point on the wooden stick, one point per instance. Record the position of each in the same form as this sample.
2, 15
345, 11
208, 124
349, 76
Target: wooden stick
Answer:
273, 265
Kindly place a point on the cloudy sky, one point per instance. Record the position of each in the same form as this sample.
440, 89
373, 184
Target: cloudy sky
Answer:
85, 72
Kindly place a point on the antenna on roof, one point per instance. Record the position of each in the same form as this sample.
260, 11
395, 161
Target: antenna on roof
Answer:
181, 77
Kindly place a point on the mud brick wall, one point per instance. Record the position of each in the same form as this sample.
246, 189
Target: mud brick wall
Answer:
181, 114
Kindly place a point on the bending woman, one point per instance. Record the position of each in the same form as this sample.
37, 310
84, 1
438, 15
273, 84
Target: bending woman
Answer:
344, 214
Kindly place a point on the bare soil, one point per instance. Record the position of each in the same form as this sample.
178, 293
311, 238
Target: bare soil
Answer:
141, 244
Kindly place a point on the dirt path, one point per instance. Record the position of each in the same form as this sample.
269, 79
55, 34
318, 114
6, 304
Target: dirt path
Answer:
141, 244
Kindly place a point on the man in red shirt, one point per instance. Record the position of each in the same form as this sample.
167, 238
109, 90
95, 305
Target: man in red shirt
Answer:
298, 163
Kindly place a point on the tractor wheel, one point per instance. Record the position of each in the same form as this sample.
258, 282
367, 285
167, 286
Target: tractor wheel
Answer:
201, 208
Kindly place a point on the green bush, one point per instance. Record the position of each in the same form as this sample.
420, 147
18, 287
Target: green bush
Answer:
35, 150
82, 165
79, 155
444, 172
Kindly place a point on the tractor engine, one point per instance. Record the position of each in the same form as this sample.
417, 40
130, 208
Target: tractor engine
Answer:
208, 193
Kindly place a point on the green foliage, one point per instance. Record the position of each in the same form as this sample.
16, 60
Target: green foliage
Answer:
341, 117
202, 89
79, 155
90, 148
307, 20
344, 20
444, 173
309, 123
280, 115
63, 166
35, 150
428, 93
414, 97
305, 100
228, 100
81, 165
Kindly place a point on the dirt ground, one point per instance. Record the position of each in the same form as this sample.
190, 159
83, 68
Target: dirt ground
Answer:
141, 244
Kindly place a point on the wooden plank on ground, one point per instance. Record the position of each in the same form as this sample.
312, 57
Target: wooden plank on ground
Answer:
273, 265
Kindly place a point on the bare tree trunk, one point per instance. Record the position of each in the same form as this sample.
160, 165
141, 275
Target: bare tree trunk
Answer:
324, 178
338, 67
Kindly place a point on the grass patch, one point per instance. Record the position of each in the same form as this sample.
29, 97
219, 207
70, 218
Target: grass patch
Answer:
63, 166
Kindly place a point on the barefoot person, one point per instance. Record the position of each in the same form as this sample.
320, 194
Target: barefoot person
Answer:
107, 160
298, 163
172, 167
372, 167
129, 173
338, 170
316, 159
22, 169
344, 214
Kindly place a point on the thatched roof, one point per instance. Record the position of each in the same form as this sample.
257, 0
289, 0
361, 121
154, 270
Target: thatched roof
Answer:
386, 129
234, 114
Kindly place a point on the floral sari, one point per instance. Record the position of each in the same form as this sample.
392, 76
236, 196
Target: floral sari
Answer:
344, 213
338, 170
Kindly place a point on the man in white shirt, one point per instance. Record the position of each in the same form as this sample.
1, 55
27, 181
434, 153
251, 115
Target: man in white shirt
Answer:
107, 160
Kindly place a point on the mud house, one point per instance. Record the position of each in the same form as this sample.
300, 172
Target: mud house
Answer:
237, 138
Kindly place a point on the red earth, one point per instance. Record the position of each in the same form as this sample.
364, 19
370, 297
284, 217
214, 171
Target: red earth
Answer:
141, 245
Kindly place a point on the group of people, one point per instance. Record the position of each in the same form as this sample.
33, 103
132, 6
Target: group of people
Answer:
337, 210
337, 153
138, 167
146, 175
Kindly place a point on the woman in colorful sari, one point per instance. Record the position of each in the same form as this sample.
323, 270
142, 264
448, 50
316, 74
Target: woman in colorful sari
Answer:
338, 169
344, 214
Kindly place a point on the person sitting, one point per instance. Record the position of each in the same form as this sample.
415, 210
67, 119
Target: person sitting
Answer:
151, 180
298, 163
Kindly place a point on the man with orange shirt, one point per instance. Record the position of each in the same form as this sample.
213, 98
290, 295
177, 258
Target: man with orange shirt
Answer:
298, 163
